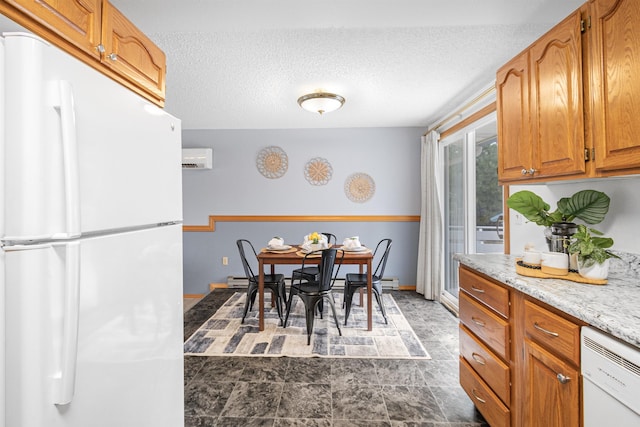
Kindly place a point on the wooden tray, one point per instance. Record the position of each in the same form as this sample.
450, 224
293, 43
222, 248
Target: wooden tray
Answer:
524, 270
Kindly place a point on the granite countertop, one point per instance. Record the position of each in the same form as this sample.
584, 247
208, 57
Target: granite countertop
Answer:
613, 308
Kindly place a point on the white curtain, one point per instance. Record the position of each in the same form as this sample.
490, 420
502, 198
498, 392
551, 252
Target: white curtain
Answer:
429, 277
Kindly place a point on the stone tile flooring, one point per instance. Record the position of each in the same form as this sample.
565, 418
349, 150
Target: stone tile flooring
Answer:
234, 391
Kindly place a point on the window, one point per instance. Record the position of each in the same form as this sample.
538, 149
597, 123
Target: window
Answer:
472, 198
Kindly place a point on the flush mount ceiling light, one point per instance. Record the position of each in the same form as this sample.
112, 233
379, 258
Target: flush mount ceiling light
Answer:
321, 102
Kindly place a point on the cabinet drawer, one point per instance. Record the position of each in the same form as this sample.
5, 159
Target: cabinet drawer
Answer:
485, 291
488, 326
558, 335
488, 366
491, 408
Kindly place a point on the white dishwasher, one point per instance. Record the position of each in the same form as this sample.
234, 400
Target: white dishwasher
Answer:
611, 380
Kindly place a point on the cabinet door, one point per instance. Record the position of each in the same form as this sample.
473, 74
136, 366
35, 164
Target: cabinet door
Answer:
77, 21
615, 63
514, 132
556, 101
553, 390
129, 53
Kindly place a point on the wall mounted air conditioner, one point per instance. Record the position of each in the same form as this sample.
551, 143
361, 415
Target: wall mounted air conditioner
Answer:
197, 158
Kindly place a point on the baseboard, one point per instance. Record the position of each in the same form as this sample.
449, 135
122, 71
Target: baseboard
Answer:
191, 296
213, 286
407, 287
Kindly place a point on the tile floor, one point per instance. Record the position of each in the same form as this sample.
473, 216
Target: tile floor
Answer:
233, 391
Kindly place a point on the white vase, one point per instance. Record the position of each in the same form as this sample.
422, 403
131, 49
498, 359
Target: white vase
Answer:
595, 271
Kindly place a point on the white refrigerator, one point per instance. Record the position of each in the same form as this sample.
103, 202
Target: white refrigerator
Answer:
91, 260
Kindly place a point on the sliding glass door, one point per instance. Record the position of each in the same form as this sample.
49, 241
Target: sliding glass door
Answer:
472, 199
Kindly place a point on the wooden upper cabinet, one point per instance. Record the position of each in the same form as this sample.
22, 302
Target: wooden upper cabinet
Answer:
557, 101
514, 132
615, 64
129, 53
76, 21
540, 108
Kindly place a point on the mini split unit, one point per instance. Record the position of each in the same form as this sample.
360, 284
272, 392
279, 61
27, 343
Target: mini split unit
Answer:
197, 158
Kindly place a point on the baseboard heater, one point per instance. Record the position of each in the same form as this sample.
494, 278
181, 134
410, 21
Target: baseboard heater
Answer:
242, 282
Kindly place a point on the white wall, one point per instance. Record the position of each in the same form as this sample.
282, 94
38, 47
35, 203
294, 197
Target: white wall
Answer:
621, 223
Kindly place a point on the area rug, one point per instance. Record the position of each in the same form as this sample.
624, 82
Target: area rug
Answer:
224, 335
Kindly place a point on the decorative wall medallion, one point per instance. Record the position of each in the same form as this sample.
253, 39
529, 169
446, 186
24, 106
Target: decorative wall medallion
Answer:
272, 162
318, 171
359, 187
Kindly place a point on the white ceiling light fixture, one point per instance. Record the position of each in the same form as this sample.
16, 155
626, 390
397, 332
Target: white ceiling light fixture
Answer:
321, 102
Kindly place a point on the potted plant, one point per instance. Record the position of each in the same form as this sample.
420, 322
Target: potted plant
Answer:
589, 206
591, 250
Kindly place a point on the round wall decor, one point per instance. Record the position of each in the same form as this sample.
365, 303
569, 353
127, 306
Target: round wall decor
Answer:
272, 162
318, 171
359, 187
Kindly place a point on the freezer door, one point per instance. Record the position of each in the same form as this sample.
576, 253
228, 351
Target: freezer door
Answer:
96, 332
83, 153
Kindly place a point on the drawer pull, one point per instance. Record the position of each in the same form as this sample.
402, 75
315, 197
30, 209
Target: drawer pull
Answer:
478, 322
563, 379
478, 358
478, 398
540, 328
478, 290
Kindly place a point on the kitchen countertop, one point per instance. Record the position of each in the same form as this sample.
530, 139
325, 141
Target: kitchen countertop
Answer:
613, 308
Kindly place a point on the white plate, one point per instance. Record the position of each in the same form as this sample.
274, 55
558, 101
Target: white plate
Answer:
279, 248
358, 249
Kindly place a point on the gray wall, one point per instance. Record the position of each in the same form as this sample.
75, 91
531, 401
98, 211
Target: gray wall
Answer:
391, 156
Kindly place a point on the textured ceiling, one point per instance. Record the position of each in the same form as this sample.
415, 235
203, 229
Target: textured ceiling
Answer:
242, 64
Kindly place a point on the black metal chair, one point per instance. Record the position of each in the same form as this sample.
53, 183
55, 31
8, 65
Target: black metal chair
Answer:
312, 292
274, 282
354, 281
311, 272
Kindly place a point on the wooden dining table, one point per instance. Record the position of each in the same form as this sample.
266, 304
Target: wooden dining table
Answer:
294, 257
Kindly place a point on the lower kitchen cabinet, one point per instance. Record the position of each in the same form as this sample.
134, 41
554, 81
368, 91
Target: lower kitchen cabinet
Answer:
553, 389
522, 368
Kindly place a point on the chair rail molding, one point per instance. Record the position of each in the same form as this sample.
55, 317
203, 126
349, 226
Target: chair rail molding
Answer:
298, 218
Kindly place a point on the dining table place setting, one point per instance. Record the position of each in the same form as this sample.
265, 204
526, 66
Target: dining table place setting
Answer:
353, 245
277, 245
313, 242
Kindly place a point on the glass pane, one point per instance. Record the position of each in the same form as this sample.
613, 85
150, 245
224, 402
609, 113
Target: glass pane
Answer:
454, 211
489, 219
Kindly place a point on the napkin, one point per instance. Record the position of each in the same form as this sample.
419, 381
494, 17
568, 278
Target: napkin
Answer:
351, 242
309, 246
276, 242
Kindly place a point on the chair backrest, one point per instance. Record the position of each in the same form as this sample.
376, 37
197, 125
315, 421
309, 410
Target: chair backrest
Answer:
329, 267
243, 247
384, 247
331, 238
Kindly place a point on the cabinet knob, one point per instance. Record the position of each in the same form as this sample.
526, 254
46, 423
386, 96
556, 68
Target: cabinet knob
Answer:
563, 379
532, 171
113, 56
524, 171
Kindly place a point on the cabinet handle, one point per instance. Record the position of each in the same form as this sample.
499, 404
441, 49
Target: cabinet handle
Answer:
540, 328
478, 322
113, 56
478, 358
478, 398
563, 379
478, 290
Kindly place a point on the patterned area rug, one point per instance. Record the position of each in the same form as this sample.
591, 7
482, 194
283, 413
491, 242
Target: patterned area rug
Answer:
224, 335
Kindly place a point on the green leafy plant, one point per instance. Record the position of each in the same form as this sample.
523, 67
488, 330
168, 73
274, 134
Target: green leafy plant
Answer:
590, 246
588, 205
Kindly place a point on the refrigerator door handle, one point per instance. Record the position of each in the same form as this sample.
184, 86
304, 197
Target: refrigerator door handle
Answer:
63, 102
64, 380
